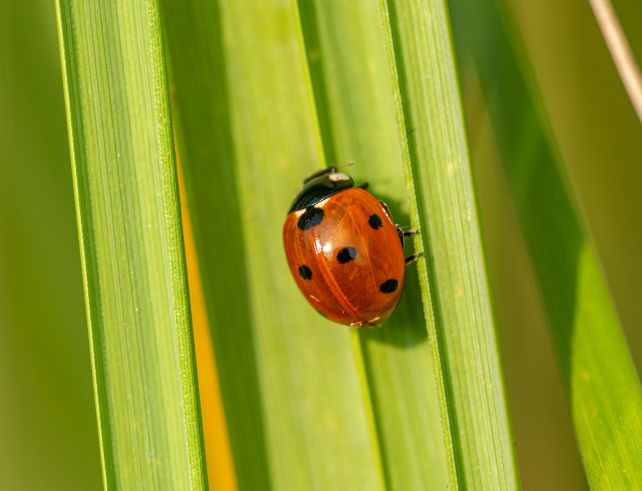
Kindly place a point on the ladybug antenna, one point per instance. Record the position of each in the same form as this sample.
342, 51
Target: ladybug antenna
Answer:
350, 163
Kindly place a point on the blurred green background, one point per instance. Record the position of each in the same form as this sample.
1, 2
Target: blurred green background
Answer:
47, 419
48, 437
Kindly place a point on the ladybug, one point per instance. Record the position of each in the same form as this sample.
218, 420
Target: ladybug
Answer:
344, 250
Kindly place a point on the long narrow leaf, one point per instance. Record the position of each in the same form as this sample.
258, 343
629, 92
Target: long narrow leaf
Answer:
598, 373
131, 244
291, 382
354, 92
430, 116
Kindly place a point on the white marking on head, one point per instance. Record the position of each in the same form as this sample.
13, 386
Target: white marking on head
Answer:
339, 176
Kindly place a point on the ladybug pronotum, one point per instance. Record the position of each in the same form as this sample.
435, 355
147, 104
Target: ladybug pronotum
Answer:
344, 250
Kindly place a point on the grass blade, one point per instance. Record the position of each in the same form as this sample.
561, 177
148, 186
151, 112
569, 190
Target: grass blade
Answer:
131, 244
440, 168
297, 416
353, 86
598, 373
47, 419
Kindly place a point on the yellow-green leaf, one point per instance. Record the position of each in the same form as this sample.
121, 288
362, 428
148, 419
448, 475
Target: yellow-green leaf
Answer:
131, 244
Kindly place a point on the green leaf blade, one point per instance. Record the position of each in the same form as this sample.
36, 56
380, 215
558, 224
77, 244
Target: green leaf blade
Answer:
131, 245
248, 134
353, 87
439, 164
596, 366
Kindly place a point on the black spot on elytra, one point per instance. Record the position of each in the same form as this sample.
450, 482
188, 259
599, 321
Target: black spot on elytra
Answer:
389, 286
305, 272
346, 254
311, 217
374, 221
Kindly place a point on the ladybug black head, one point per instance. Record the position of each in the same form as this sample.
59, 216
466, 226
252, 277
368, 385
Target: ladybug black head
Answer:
320, 186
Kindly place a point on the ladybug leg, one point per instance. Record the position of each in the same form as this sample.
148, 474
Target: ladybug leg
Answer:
363, 186
322, 172
413, 257
407, 233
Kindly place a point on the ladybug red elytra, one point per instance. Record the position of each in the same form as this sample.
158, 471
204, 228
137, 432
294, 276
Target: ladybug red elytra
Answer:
344, 250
